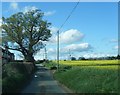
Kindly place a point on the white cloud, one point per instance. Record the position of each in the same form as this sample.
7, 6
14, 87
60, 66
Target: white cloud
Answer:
40, 55
29, 8
116, 47
77, 47
114, 40
64, 51
51, 54
51, 50
14, 5
68, 37
97, 55
49, 13
53, 29
72, 47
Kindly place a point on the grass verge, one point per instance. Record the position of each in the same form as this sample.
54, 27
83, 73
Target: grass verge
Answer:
86, 79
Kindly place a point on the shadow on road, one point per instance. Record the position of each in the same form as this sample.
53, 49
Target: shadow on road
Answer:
43, 82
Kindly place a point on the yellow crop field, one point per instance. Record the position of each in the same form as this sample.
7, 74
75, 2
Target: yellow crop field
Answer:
90, 62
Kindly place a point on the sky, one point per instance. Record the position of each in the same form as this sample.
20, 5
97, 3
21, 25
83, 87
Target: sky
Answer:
91, 31
60, 0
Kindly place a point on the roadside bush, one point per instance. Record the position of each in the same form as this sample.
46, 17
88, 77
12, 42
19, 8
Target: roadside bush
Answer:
67, 67
53, 68
15, 75
37, 62
12, 83
41, 61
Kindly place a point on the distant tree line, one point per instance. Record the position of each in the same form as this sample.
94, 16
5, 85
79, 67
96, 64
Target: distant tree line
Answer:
97, 58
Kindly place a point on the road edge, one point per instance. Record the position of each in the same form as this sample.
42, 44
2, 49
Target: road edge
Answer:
60, 84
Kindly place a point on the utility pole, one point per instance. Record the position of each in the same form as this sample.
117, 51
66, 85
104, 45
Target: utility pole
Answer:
58, 50
69, 55
45, 54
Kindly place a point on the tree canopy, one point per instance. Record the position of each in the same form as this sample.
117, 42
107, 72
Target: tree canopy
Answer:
26, 32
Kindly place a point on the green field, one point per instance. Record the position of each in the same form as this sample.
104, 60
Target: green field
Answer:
98, 76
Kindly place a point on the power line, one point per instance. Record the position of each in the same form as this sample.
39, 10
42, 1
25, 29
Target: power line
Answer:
59, 30
69, 15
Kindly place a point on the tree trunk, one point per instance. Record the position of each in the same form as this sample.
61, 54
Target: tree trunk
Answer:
30, 58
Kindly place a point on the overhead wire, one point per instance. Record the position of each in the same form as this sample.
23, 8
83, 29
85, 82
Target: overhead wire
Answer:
69, 15
61, 28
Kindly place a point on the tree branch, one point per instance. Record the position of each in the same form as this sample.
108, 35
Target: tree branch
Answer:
18, 49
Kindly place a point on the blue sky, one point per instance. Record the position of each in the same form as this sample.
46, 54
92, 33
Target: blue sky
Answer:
91, 31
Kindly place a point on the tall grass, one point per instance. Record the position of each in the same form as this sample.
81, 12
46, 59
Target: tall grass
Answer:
90, 79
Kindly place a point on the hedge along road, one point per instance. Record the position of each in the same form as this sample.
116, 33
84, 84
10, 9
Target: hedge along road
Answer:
43, 82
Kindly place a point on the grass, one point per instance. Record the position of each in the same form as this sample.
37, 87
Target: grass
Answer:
90, 79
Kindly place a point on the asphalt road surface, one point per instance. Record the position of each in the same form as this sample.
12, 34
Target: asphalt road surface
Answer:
44, 83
